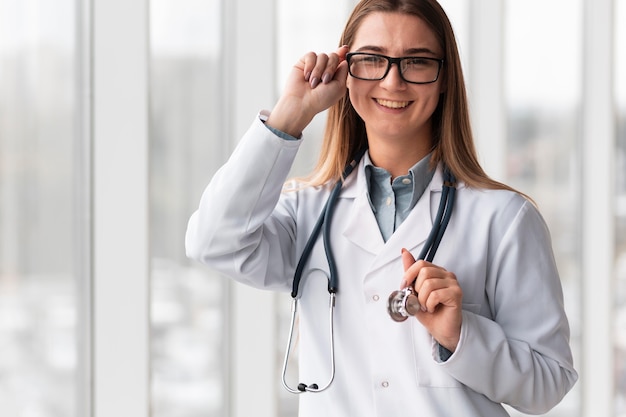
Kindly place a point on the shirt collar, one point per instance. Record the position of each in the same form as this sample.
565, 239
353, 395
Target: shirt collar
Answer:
420, 175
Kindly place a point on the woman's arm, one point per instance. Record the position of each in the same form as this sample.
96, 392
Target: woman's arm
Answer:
522, 356
238, 228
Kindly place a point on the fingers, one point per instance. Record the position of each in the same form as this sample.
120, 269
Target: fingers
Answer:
440, 298
300, 100
434, 292
433, 284
407, 259
323, 68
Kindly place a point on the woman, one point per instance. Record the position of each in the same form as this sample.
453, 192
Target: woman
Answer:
491, 329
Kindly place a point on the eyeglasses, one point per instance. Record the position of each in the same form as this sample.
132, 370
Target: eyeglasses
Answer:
374, 67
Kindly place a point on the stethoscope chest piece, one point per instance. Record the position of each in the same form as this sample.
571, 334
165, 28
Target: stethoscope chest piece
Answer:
403, 304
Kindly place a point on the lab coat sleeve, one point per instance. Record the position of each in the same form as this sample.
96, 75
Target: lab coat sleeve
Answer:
520, 356
238, 229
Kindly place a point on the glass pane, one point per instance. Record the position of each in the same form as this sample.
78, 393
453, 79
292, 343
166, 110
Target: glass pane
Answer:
620, 210
188, 315
41, 242
543, 97
458, 13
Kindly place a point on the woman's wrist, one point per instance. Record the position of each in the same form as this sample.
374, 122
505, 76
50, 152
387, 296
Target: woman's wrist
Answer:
288, 118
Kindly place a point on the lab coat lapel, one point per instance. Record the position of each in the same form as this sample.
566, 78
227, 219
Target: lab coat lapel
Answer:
361, 227
413, 232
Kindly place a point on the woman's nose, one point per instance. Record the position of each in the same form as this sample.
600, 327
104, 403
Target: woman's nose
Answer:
393, 79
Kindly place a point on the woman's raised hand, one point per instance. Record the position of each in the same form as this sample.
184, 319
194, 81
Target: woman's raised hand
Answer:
315, 83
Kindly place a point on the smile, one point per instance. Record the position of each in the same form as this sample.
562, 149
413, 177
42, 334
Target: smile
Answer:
393, 104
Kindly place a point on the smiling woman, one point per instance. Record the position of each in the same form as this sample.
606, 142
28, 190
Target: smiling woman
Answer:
407, 104
414, 139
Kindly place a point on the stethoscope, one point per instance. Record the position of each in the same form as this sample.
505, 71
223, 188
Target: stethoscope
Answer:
401, 304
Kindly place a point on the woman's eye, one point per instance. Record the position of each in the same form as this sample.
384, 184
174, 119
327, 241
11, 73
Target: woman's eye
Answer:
372, 60
416, 62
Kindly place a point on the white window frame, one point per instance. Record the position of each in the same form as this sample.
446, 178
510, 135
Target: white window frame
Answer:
120, 297
596, 368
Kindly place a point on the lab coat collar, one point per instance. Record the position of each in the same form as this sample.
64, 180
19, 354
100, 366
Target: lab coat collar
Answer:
362, 230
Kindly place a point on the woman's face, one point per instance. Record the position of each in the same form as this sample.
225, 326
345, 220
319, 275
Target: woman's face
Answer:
391, 108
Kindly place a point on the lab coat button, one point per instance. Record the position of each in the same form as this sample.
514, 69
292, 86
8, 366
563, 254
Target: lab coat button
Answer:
385, 384
375, 297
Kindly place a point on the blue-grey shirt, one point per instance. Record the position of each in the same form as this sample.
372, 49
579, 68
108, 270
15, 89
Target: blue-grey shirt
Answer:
393, 200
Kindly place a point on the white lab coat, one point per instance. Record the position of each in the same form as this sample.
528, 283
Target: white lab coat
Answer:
514, 345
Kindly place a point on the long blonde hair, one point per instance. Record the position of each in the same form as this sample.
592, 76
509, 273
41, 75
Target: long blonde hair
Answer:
452, 134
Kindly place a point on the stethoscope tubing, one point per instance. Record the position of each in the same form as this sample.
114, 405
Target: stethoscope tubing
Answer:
322, 225
444, 212
301, 388
323, 222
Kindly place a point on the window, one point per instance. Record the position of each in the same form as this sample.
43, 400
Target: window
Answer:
44, 238
188, 340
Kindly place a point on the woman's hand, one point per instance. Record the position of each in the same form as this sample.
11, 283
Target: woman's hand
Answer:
440, 296
315, 83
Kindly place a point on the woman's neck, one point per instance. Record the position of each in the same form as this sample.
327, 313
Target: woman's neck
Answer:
398, 156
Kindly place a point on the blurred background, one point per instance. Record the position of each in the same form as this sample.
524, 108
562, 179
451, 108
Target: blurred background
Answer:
113, 117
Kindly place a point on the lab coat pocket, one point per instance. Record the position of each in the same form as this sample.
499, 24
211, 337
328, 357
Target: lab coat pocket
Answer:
429, 371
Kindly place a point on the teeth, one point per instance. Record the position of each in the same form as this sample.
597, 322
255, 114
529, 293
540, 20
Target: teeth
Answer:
392, 104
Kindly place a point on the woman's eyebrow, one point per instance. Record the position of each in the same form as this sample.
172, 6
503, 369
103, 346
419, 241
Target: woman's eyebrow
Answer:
414, 51
370, 48
410, 51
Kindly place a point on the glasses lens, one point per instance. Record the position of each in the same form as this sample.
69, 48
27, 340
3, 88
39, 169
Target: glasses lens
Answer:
375, 67
419, 70
368, 67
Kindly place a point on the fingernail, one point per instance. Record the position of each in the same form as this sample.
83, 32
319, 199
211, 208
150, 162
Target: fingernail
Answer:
314, 82
326, 78
307, 76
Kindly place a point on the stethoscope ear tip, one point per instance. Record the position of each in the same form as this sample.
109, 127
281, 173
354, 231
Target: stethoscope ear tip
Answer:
304, 387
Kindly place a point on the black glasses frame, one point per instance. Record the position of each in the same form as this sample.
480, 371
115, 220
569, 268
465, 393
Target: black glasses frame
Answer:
390, 62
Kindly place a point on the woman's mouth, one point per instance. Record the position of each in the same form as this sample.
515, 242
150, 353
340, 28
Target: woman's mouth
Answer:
392, 104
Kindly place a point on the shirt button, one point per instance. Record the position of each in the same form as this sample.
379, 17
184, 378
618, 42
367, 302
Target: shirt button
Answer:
406, 181
385, 384
375, 298
388, 201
